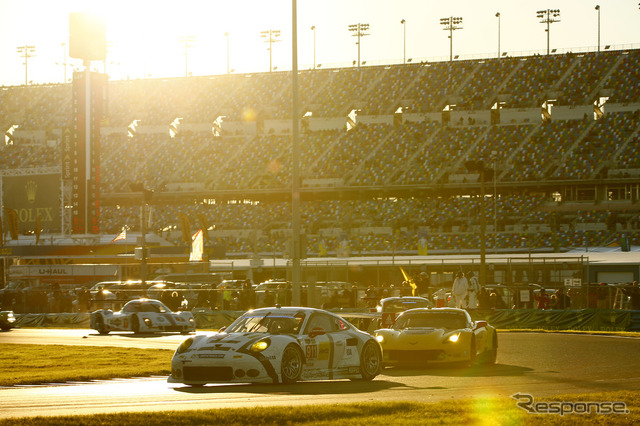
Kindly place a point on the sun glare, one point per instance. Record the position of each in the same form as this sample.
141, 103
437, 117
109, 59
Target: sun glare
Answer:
163, 39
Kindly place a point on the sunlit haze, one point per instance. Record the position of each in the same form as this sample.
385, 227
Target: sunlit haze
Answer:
143, 36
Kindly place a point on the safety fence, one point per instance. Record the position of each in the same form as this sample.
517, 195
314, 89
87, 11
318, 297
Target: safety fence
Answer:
512, 319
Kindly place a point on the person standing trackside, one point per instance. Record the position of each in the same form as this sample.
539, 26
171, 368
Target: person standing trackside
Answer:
459, 291
474, 290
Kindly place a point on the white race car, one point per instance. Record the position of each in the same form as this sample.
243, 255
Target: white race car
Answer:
278, 345
142, 316
437, 335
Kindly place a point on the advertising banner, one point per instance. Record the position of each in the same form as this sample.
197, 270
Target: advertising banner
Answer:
33, 196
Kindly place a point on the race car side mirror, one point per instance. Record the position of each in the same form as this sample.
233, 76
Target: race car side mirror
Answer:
317, 331
480, 324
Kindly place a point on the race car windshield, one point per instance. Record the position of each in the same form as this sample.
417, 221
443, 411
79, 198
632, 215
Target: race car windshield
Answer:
403, 305
431, 320
267, 323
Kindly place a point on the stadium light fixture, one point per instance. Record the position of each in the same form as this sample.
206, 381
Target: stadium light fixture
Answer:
216, 127
26, 52
174, 127
131, 128
8, 135
451, 24
359, 30
270, 36
188, 42
548, 17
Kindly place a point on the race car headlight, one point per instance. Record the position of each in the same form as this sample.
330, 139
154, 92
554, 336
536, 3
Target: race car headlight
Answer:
191, 321
185, 345
453, 338
380, 338
260, 345
148, 322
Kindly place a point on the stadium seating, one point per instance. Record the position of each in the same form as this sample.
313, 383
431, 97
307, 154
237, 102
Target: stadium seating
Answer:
417, 125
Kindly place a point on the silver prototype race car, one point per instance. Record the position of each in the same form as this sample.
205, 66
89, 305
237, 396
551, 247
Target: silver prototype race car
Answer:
278, 345
142, 316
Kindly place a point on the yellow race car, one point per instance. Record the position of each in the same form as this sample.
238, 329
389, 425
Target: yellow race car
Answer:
437, 335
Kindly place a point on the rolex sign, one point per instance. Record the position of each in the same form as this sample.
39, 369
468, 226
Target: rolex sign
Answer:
32, 196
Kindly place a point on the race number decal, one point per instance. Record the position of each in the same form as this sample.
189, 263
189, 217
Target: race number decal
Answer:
312, 351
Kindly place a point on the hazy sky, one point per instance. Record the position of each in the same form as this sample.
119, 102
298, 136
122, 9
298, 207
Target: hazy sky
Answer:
143, 35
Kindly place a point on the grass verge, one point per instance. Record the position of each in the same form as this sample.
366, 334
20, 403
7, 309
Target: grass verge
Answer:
477, 411
34, 364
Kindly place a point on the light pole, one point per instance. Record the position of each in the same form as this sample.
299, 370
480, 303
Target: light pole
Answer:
26, 52
64, 49
270, 36
451, 24
485, 174
548, 17
187, 40
295, 159
404, 41
598, 9
313, 28
359, 31
498, 16
227, 36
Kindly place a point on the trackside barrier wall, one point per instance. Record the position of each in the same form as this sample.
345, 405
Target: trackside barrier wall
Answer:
584, 319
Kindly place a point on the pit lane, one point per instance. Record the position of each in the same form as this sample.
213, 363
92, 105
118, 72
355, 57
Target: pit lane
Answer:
540, 364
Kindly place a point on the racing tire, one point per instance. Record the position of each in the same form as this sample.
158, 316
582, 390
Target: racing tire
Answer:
100, 327
135, 324
370, 360
473, 358
291, 364
492, 354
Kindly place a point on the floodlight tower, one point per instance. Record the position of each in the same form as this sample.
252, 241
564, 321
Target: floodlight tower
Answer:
188, 42
26, 52
270, 36
404, 41
451, 24
359, 30
548, 17
313, 28
227, 37
598, 10
498, 16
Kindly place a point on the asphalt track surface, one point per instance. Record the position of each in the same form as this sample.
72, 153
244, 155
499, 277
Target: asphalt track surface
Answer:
539, 364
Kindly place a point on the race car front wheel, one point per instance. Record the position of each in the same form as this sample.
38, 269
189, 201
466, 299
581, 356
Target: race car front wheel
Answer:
291, 367
370, 360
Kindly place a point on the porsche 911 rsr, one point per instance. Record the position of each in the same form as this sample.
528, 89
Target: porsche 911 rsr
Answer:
437, 335
278, 345
142, 316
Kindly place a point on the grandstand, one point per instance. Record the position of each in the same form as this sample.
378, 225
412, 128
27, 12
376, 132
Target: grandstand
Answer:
558, 138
